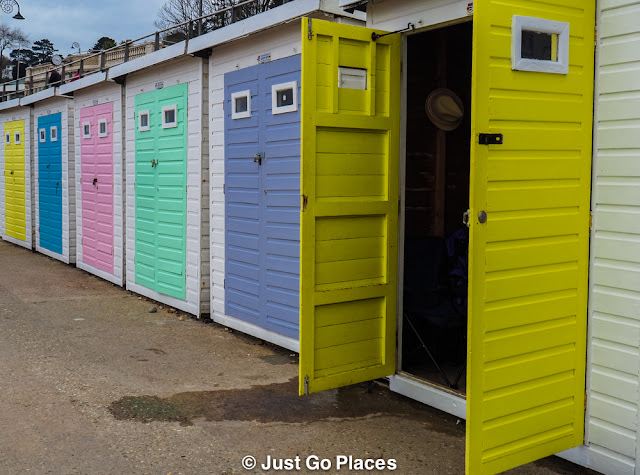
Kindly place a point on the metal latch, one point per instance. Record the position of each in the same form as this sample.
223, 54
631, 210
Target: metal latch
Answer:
154, 162
490, 139
95, 180
466, 218
306, 385
258, 158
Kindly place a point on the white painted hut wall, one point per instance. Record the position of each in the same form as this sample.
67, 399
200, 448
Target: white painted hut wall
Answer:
392, 15
22, 113
282, 42
613, 372
178, 71
65, 107
101, 94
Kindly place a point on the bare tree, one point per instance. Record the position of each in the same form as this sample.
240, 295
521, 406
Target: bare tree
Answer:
9, 38
174, 12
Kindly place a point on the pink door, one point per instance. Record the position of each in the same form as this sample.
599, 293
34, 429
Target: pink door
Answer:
96, 158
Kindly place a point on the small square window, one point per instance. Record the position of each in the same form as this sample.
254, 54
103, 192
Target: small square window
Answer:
7, 138
86, 130
102, 128
352, 78
143, 121
284, 97
43, 135
54, 133
169, 116
241, 105
18, 138
539, 45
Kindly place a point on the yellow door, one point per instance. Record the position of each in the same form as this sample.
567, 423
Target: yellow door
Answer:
529, 258
14, 180
349, 218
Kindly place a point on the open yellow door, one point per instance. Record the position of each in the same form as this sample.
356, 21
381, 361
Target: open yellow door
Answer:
349, 218
529, 232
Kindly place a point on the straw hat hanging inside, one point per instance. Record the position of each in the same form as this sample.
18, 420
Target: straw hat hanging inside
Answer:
445, 109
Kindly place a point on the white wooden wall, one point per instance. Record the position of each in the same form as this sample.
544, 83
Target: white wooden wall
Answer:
19, 113
281, 42
188, 70
613, 372
100, 94
392, 15
66, 109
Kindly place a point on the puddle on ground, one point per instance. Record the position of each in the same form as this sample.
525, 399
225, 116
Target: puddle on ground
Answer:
279, 402
279, 359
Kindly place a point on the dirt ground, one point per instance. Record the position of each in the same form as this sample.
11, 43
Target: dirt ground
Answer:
92, 383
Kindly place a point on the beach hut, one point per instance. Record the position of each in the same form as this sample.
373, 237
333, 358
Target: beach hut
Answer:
54, 165
16, 186
166, 142
99, 147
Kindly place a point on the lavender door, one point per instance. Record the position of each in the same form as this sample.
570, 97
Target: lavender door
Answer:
96, 158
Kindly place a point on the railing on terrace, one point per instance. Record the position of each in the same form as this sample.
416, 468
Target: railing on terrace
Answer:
85, 65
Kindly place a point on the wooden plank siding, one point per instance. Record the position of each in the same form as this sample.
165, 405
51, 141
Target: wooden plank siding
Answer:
614, 356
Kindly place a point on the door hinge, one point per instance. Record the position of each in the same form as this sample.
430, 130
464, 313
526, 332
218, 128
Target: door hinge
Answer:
305, 200
490, 139
310, 32
595, 34
224, 283
224, 188
306, 385
590, 221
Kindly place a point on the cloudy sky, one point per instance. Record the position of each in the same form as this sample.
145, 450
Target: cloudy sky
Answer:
84, 21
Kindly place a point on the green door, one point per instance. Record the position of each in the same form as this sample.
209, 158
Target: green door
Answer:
161, 190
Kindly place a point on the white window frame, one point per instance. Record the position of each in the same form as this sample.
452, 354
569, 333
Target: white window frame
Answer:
539, 25
106, 128
17, 137
147, 127
42, 135
86, 135
169, 125
275, 89
53, 136
7, 138
245, 114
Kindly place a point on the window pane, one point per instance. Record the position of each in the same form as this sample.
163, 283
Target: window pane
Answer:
241, 104
352, 78
86, 129
285, 98
169, 116
103, 128
144, 120
541, 46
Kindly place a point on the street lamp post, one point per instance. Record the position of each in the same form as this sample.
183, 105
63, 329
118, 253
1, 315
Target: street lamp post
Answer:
7, 7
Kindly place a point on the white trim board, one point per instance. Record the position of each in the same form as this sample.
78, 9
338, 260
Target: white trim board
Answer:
429, 395
258, 332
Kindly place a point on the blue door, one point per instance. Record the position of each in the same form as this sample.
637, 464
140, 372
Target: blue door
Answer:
50, 181
262, 188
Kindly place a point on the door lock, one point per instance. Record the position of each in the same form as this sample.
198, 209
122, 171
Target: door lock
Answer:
95, 180
154, 162
12, 172
258, 158
482, 217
